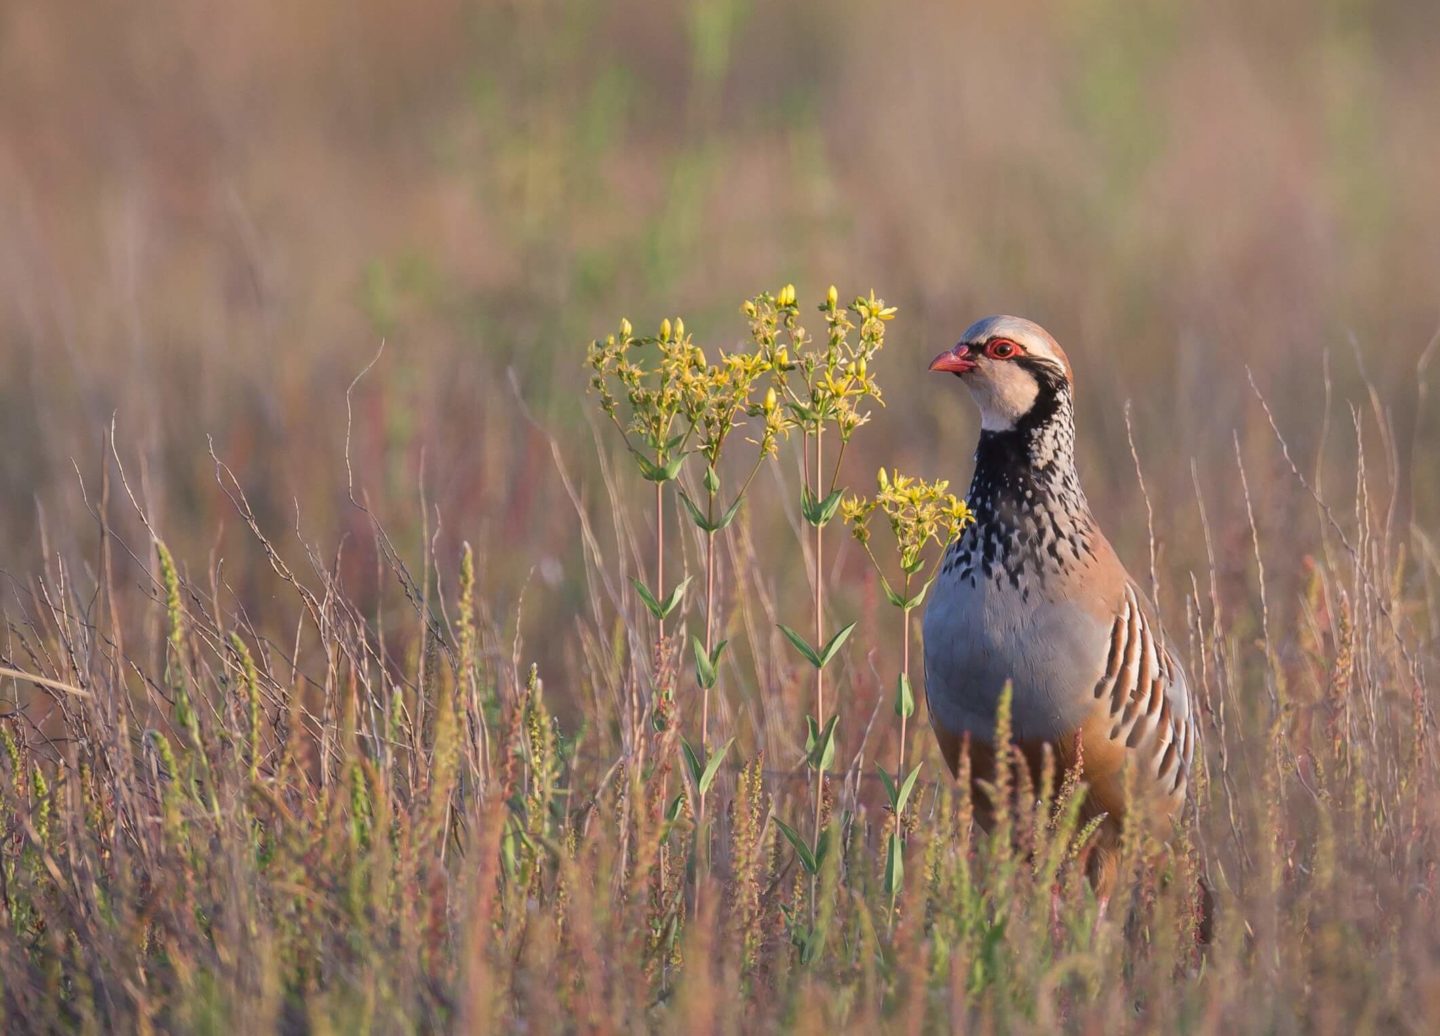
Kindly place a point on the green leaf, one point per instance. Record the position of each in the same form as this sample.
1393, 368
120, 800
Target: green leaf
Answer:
808, 510
696, 515
715, 657
907, 788
829, 506
657, 608
661, 473
713, 767
647, 597
890, 594
820, 747
890, 789
712, 480
801, 645
729, 515
822, 848
807, 858
704, 666
668, 605
672, 813
904, 697
834, 646
919, 597
692, 761
819, 512
894, 865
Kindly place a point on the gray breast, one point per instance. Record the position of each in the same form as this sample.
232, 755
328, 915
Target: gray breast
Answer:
981, 633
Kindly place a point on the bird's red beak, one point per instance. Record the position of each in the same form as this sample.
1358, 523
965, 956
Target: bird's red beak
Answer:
954, 361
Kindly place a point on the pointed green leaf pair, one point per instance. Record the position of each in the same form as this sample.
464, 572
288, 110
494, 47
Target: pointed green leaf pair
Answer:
696, 515
899, 600
899, 795
819, 659
812, 861
807, 858
904, 697
712, 480
706, 664
834, 645
705, 524
692, 760
661, 609
809, 941
703, 772
819, 512
728, 515
820, 746
653, 472
801, 645
712, 767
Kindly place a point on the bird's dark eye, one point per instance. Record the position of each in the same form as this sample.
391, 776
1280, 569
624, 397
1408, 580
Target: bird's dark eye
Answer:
1002, 349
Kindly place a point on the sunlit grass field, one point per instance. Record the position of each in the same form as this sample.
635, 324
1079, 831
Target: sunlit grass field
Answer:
345, 684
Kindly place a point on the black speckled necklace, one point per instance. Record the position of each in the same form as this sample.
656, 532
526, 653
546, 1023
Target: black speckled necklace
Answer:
1031, 516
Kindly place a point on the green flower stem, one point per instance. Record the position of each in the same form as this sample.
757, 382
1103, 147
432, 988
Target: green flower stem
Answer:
709, 625
905, 674
819, 670
702, 846
660, 547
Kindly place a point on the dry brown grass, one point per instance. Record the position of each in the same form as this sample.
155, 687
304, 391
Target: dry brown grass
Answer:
213, 217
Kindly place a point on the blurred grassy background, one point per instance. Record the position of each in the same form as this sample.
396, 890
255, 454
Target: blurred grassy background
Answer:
213, 214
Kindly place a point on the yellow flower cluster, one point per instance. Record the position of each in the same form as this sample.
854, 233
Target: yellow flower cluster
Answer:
655, 393
665, 396
919, 513
667, 399
818, 385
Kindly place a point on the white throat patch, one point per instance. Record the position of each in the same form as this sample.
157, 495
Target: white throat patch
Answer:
1004, 396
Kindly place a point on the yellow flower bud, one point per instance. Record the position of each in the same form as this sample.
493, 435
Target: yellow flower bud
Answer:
782, 356
860, 367
832, 297
787, 295
748, 308
625, 328
883, 479
770, 401
679, 328
665, 330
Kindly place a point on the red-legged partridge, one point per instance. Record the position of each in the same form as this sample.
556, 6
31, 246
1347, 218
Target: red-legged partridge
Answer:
1032, 594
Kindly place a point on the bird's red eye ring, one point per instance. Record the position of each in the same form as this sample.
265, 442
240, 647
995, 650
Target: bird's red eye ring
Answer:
1001, 349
